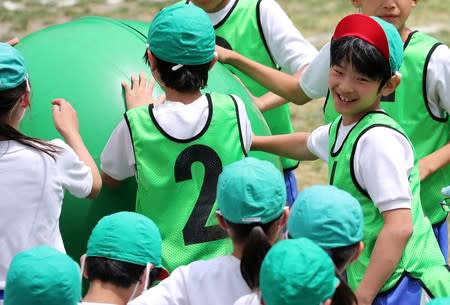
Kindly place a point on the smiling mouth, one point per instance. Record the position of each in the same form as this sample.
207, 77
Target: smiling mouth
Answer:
344, 99
389, 17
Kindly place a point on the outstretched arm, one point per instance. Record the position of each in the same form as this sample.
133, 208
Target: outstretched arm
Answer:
434, 161
289, 145
280, 83
66, 122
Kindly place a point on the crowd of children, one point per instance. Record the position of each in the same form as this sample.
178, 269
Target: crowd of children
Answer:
231, 228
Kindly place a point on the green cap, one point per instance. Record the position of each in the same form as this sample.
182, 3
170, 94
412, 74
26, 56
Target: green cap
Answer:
127, 237
440, 301
297, 272
42, 276
251, 190
395, 43
327, 215
12, 67
182, 34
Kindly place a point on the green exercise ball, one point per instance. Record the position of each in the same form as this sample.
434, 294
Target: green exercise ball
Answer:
85, 61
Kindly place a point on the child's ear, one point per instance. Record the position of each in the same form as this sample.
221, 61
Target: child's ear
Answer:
152, 60
222, 223
284, 217
391, 85
358, 252
84, 272
26, 100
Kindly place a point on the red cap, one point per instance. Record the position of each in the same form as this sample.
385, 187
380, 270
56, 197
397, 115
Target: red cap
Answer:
366, 28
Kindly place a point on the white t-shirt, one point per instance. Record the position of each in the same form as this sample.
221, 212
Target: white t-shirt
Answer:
289, 49
217, 281
314, 81
249, 299
32, 189
179, 120
382, 164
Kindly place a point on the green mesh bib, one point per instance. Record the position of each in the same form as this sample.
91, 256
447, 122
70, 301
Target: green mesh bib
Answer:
409, 107
422, 251
177, 179
428, 133
241, 31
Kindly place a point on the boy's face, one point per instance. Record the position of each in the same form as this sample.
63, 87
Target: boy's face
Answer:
392, 11
354, 94
211, 6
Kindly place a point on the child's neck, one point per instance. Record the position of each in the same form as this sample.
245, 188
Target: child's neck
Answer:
404, 33
182, 97
101, 292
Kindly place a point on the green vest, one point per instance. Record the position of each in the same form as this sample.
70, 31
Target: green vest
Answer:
422, 252
427, 132
177, 179
241, 31
409, 107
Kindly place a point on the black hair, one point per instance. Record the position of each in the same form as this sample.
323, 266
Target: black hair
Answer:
364, 57
187, 79
342, 255
112, 271
257, 244
8, 101
343, 295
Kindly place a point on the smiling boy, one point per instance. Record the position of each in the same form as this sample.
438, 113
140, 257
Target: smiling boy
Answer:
370, 157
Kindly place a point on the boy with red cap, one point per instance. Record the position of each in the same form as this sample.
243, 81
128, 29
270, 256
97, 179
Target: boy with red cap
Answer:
370, 157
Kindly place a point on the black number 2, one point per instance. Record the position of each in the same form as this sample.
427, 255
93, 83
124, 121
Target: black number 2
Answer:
195, 231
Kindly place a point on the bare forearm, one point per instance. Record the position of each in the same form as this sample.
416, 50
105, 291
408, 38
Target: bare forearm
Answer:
280, 83
434, 161
386, 254
75, 141
269, 101
289, 145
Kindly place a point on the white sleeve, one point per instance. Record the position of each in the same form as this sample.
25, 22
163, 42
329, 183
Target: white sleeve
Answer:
244, 124
75, 176
117, 158
171, 291
314, 80
318, 142
438, 81
383, 162
290, 50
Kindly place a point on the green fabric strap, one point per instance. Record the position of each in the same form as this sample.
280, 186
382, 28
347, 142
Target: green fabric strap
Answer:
177, 180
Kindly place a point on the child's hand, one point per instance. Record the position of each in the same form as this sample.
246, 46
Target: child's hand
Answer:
65, 118
13, 41
140, 94
223, 54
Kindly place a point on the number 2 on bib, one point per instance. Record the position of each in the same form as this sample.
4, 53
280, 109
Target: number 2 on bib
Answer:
195, 231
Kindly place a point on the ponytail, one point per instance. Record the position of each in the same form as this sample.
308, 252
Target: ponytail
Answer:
253, 254
8, 101
256, 240
342, 255
343, 294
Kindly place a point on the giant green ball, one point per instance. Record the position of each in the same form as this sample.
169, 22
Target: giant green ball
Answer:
85, 61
